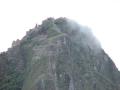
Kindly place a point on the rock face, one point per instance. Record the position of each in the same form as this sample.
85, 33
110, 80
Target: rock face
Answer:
59, 55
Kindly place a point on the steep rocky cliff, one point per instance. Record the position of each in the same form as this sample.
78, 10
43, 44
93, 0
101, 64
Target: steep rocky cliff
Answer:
59, 54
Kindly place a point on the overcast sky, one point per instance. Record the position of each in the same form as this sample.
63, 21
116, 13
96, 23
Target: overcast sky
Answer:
102, 16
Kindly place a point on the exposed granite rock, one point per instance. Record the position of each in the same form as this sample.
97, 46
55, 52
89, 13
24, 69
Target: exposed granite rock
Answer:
61, 55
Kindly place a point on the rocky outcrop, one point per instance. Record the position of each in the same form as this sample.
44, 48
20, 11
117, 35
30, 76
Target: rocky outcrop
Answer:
62, 55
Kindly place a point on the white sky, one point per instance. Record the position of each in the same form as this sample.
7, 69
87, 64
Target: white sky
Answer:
102, 16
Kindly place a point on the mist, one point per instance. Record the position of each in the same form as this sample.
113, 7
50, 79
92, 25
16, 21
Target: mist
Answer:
102, 17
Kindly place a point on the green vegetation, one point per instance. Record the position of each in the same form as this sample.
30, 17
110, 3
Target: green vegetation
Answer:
10, 79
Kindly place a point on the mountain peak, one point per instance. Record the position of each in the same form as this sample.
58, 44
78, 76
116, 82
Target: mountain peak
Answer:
59, 54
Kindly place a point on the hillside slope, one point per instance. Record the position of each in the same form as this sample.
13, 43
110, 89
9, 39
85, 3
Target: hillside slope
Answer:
59, 54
